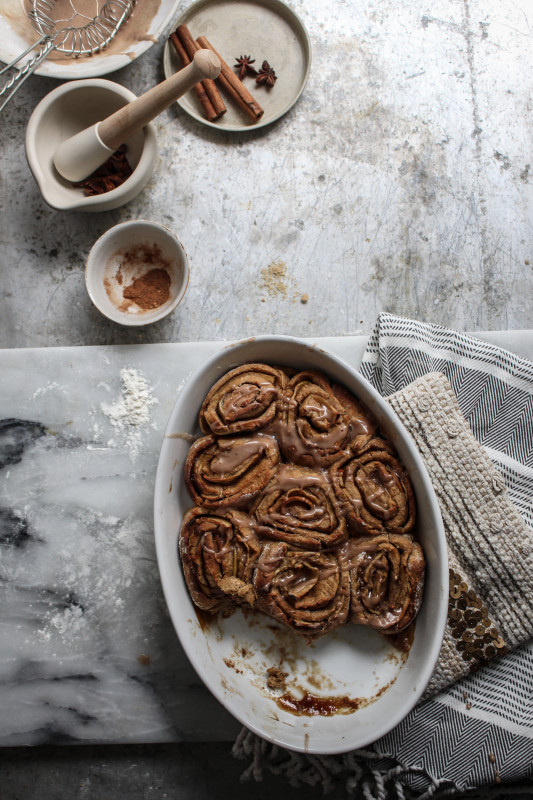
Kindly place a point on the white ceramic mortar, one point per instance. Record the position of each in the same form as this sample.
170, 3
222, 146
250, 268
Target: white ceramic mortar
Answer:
64, 112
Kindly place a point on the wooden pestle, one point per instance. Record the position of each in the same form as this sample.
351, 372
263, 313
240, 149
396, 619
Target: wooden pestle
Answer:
79, 156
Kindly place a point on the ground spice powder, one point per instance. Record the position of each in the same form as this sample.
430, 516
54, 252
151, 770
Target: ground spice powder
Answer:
140, 279
149, 291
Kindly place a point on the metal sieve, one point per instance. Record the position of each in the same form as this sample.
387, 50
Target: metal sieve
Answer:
72, 40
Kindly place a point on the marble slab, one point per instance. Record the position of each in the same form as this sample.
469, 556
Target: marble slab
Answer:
88, 653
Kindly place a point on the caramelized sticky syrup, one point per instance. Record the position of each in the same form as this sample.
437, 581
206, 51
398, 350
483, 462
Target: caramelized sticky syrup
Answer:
312, 706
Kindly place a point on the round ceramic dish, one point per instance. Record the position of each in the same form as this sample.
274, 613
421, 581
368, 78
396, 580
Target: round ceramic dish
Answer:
125, 253
265, 29
147, 23
232, 655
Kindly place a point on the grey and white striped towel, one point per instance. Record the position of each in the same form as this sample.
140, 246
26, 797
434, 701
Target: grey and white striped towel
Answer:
477, 733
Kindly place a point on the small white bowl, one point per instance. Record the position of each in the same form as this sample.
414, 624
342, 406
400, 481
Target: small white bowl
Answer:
125, 254
67, 110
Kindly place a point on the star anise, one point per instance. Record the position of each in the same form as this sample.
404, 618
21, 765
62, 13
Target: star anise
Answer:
266, 75
107, 177
244, 65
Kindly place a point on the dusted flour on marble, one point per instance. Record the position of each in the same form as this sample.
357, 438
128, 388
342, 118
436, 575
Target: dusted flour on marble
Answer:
130, 414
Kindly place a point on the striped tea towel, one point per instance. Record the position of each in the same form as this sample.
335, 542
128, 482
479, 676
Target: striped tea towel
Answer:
478, 733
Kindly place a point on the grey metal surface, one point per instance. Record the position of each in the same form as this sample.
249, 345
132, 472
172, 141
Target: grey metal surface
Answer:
399, 182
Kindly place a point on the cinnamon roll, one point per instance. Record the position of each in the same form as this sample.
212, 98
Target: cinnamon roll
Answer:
362, 422
298, 506
374, 490
230, 472
302, 511
317, 426
387, 580
270, 559
218, 553
245, 399
306, 590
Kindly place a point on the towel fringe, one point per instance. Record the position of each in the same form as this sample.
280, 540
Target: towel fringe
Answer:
358, 769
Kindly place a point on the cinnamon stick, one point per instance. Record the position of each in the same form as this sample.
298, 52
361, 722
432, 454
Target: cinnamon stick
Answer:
201, 94
190, 47
233, 86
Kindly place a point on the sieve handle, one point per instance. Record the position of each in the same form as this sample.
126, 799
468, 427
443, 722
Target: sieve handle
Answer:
22, 73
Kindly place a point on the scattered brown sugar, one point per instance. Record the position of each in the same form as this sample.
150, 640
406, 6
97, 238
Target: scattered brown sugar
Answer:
277, 679
274, 278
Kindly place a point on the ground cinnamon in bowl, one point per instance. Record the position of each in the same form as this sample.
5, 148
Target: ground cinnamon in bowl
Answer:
151, 290
137, 272
138, 278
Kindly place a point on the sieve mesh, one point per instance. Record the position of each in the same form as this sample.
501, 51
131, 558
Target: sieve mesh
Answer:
74, 28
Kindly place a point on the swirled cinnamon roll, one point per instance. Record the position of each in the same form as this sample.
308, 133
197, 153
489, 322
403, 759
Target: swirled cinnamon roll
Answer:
387, 580
317, 427
298, 506
218, 553
306, 590
244, 400
362, 422
375, 491
302, 511
230, 471
270, 559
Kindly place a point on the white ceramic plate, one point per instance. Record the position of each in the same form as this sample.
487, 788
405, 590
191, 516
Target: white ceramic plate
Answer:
148, 21
232, 655
265, 29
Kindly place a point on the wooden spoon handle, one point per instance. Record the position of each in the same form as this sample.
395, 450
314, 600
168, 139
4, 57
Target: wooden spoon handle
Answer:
117, 128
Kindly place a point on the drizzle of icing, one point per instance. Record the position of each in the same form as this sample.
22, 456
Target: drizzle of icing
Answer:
288, 477
245, 399
232, 455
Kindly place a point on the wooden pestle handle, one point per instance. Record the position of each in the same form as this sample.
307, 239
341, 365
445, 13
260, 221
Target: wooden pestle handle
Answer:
116, 129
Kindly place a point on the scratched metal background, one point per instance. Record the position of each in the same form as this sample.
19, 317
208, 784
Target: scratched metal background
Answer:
401, 182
